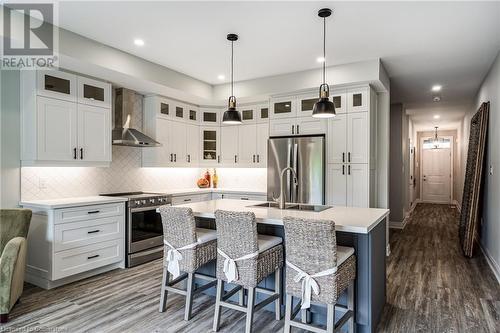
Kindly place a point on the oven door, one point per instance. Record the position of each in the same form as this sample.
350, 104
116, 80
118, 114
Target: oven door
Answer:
145, 230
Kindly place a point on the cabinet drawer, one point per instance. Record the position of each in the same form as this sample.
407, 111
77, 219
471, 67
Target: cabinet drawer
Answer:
86, 258
184, 199
71, 235
88, 212
245, 197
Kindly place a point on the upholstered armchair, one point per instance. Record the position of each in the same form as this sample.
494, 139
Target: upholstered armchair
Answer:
14, 225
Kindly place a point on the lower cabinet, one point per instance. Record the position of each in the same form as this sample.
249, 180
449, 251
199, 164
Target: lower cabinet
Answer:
184, 199
348, 185
69, 244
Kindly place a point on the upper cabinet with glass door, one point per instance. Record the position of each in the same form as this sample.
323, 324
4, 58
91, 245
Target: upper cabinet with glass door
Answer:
305, 103
248, 113
57, 84
339, 99
358, 99
283, 107
262, 113
93, 92
210, 116
193, 114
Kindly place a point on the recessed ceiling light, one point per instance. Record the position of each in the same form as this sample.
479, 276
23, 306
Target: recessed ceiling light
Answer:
221, 77
320, 59
436, 87
139, 42
436, 116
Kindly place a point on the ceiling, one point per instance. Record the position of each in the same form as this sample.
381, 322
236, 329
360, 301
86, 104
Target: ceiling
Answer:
420, 43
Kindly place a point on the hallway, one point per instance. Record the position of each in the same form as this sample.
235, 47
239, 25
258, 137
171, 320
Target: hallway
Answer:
431, 286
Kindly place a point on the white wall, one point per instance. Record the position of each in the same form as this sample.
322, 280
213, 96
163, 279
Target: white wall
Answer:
490, 226
396, 166
9, 140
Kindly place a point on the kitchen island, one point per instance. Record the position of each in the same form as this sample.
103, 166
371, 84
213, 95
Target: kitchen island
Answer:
364, 229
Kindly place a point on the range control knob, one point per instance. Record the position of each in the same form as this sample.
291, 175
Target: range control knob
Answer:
161, 200
152, 201
137, 202
143, 202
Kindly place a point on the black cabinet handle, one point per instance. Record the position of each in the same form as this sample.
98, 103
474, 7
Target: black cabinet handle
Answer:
175, 157
343, 169
186, 200
218, 158
171, 157
298, 129
93, 231
349, 157
244, 198
81, 153
293, 129
235, 158
93, 212
258, 158
92, 257
254, 158
189, 158
74, 153
349, 170
343, 157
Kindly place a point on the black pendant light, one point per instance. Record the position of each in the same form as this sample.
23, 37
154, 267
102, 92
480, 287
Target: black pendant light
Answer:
231, 116
324, 108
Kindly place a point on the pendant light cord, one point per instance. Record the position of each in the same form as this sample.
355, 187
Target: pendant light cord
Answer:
324, 50
232, 69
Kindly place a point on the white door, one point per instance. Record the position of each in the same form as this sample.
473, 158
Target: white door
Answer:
337, 185
357, 185
178, 142
94, 130
436, 175
229, 145
262, 138
57, 130
247, 145
192, 144
337, 139
282, 127
357, 137
310, 125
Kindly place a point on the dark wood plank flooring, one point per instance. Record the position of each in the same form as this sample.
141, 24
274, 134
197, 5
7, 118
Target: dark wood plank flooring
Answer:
431, 288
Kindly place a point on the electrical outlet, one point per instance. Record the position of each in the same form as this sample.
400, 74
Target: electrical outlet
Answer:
42, 183
491, 170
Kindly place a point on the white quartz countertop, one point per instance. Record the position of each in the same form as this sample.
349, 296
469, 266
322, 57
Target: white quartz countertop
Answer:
349, 219
70, 202
196, 190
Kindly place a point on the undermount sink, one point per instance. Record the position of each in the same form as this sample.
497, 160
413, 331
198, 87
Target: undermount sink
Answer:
294, 206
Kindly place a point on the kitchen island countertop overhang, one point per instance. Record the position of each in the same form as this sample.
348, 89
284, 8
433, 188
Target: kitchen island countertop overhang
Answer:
347, 219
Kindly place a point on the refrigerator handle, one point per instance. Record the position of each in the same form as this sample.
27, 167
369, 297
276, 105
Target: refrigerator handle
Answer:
294, 186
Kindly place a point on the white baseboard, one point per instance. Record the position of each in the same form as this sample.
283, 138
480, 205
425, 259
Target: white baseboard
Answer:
398, 225
491, 262
457, 204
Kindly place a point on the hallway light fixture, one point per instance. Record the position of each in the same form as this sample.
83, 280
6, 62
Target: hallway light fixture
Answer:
324, 108
436, 139
231, 115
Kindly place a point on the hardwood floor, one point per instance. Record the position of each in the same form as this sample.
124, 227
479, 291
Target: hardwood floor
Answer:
431, 288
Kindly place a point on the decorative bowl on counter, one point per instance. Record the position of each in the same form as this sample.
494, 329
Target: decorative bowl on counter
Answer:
203, 183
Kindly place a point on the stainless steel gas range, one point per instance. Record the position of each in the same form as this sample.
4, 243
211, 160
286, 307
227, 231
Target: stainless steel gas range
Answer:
144, 230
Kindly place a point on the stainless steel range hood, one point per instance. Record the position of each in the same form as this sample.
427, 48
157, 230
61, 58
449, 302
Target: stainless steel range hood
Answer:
124, 133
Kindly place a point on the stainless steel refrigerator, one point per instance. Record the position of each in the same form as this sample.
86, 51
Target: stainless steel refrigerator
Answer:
306, 155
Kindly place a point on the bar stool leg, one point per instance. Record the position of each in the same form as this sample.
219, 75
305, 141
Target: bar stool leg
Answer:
277, 289
189, 296
163, 295
250, 309
218, 298
241, 300
330, 318
288, 313
350, 306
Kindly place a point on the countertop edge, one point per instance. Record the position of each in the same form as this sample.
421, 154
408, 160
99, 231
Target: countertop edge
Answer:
67, 204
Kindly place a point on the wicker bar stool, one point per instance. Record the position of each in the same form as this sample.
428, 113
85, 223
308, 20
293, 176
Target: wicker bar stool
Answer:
245, 258
317, 271
187, 248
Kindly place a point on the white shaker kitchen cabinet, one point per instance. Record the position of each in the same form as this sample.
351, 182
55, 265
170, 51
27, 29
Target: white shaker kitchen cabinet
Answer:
248, 114
177, 144
263, 113
55, 84
93, 92
305, 104
282, 127
210, 145
192, 145
337, 184
229, 145
193, 114
262, 139
357, 185
337, 139
357, 100
357, 137
94, 133
179, 111
283, 107
158, 156
210, 116
57, 130
247, 145
310, 125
